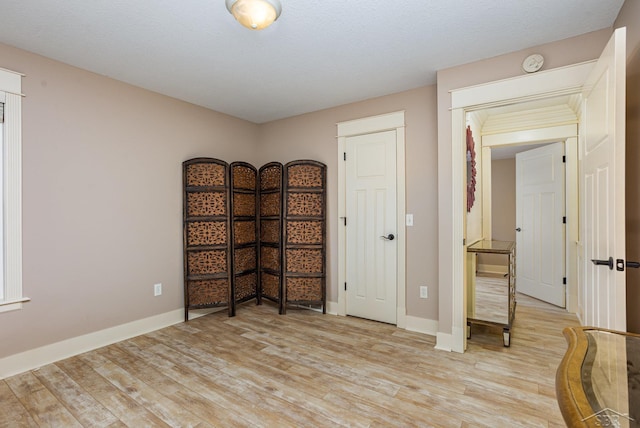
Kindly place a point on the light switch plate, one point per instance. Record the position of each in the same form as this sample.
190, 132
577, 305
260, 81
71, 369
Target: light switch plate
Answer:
424, 292
409, 219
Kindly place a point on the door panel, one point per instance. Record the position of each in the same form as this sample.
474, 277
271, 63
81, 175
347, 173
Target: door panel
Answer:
371, 264
602, 150
540, 201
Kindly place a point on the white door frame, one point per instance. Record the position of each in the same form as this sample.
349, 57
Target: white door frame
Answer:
568, 134
369, 125
555, 82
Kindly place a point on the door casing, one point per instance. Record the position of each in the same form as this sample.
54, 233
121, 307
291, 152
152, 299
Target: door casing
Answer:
562, 133
369, 125
561, 81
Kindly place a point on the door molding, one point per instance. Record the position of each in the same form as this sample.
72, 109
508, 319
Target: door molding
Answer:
560, 81
568, 134
369, 125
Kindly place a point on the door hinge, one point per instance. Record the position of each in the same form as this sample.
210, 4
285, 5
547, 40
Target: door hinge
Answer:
564, 220
345, 286
564, 159
564, 280
345, 155
345, 220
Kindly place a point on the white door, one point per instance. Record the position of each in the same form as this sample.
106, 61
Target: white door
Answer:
602, 188
540, 208
371, 264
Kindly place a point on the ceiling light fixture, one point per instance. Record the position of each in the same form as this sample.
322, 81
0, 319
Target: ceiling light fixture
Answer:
255, 14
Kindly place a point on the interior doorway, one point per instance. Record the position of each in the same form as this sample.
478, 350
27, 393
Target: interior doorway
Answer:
528, 206
381, 140
601, 83
371, 207
502, 94
543, 134
540, 221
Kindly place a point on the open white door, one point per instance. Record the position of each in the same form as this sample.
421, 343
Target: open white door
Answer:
540, 235
602, 188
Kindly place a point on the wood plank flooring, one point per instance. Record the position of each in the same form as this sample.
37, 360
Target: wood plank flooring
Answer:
304, 369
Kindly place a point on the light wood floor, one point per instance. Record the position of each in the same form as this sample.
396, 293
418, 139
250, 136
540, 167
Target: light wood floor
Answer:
299, 370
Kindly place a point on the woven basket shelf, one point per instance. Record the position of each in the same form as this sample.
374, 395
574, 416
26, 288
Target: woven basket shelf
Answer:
253, 234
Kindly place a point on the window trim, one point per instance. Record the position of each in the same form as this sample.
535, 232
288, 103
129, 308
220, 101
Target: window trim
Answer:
11, 96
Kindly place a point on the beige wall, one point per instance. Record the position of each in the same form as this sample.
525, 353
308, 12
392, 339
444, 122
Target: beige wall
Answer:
503, 206
630, 17
313, 136
102, 201
561, 53
503, 199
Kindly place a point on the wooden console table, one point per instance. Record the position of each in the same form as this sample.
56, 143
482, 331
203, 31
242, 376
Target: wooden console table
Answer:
598, 380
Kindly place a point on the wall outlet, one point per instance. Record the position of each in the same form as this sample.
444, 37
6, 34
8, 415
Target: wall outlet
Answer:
424, 292
157, 289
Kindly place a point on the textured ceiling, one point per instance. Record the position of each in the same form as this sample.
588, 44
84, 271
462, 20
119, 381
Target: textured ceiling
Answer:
319, 54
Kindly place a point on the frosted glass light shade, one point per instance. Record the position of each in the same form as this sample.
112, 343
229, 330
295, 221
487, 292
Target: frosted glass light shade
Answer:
255, 14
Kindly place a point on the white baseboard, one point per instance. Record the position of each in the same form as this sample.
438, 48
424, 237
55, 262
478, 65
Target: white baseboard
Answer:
405, 322
332, 308
444, 341
458, 339
498, 269
197, 313
422, 325
32, 359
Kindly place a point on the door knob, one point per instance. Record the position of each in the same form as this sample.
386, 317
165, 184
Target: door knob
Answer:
604, 262
634, 265
620, 265
389, 237
518, 229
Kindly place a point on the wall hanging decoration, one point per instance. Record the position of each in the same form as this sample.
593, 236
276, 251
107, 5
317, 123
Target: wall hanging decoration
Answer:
252, 234
471, 170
